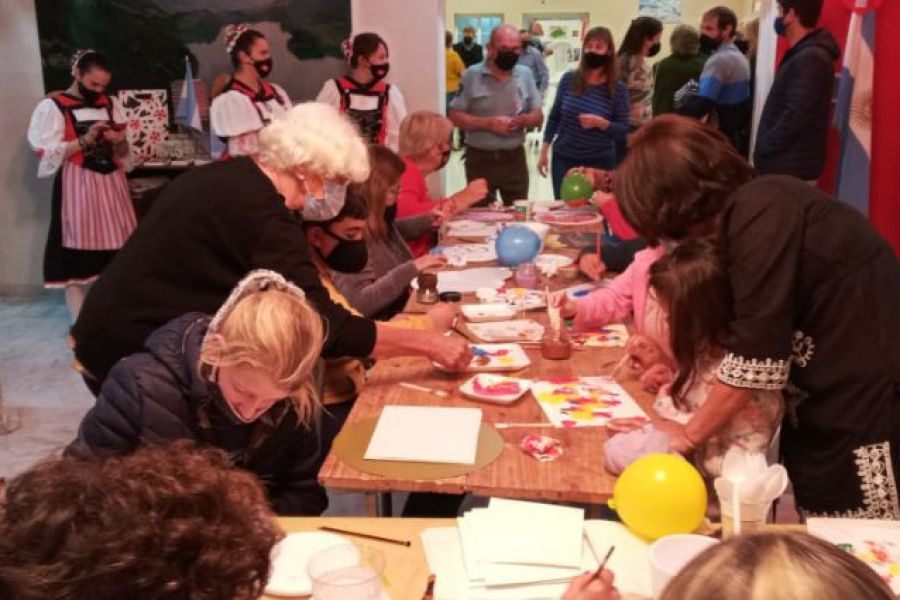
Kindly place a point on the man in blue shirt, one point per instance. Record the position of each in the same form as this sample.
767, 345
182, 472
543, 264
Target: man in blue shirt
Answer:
533, 58
497, 102
724, 94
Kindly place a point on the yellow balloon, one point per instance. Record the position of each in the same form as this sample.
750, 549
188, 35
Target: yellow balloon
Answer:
659, 495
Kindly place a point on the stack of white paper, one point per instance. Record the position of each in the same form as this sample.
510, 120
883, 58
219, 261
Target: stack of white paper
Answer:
426, 434
526, 551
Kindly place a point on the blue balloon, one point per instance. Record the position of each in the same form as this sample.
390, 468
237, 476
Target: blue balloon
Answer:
516, 245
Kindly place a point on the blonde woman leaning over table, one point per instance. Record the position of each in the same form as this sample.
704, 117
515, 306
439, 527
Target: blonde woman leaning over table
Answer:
425, 148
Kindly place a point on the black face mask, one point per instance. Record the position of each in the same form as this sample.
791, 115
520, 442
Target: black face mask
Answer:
89, 96
263, 67
654, 49
708, 45
742, 45
506, 60
379, 72
349, 256
390, 213
468, 39
593, 60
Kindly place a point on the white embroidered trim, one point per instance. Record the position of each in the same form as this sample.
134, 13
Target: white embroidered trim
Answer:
803, 348
879, 489
765, 374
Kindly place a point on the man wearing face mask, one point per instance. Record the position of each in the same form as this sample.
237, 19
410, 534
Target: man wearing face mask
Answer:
724, 89
498, 102
794, 124
375, 106
533, 58
470, 51
339, 245
213, 224
248, 102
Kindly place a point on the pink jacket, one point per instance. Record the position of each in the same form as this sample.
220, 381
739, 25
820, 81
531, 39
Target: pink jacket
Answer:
623, 297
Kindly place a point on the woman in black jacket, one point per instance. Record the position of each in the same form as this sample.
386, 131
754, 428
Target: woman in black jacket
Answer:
241, 381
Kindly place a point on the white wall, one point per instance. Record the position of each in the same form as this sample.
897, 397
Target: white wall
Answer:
414, 32
24, 201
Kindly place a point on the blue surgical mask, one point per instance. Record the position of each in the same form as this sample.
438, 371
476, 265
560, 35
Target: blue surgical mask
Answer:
327, 207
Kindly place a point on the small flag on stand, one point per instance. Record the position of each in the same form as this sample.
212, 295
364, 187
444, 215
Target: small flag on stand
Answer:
187, 112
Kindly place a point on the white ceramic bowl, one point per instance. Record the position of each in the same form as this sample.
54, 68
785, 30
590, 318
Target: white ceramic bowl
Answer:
670, 554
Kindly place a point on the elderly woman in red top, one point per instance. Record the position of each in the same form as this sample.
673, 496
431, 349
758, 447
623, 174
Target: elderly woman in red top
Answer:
425, 148
79, 136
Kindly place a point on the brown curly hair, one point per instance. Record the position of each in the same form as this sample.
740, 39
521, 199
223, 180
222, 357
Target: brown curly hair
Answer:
170, 522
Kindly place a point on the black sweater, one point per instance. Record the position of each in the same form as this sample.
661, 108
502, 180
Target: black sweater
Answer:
207, 229
157, 396
793, 129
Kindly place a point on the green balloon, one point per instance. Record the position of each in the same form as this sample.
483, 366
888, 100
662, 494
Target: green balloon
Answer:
576, 187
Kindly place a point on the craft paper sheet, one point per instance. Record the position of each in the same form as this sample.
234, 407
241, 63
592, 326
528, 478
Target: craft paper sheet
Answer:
876, 543
610, 336
584, 401
426, 434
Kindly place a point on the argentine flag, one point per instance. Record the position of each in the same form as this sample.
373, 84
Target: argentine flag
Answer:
187, 112
853, 114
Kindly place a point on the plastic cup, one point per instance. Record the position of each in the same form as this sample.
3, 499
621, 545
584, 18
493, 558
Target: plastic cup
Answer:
670, 554
523, 209
753, 517
346, 573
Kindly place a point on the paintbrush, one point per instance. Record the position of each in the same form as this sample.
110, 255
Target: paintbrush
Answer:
368, 536
603, 564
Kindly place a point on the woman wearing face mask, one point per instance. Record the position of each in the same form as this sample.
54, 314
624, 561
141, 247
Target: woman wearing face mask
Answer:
641, 42
425, 148
215, 223
80, 139
589, 114
242, 380
375, 106
381, 289
248, 102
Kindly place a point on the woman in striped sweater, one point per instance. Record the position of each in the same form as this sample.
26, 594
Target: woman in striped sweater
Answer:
589, 113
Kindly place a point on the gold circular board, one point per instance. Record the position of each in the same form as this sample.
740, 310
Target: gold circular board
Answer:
350, 446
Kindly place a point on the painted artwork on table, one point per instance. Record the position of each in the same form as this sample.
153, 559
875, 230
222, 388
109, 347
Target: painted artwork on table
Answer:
876, 543
146, 40
146, 115
667, 11
584, 401
614, 335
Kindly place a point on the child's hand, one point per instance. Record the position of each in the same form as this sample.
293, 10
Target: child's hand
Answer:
656, 377
625, 425
591, 265
586, 587
567, 307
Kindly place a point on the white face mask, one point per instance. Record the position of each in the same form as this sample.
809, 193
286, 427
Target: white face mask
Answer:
323, 209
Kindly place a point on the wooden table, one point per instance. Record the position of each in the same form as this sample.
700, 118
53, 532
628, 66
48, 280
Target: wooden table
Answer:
405, 567
577, 476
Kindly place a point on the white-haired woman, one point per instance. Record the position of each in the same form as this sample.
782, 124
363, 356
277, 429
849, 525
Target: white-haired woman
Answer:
425, 148
212, 225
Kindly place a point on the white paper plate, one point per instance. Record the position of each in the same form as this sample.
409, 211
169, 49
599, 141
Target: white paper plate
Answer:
556, 261
506, 357
290, 556
531, 299
541, 206
485, 313
468, 388
518, 330
464, 228
471, 253
469, 280
569, 217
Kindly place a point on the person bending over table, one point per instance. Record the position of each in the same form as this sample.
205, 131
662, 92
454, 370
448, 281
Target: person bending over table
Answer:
814, 293
164, 522
425, 148
381, 289
214, 224
241, 381
339, 245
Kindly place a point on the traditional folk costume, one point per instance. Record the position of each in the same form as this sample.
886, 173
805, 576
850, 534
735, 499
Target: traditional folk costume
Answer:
239, 112
92, 214
377, 108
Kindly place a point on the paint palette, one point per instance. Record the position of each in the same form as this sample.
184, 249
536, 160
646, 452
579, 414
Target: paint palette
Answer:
488, 215
496, 357
467, 228
519, 330
610, 336
553, 261
470, 253
485, 313
495, 388
566, 216
584, 401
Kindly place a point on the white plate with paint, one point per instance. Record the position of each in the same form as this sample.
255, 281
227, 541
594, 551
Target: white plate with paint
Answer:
496, 357
553, 261
519, 330
289, 558
495, 388
486, 313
